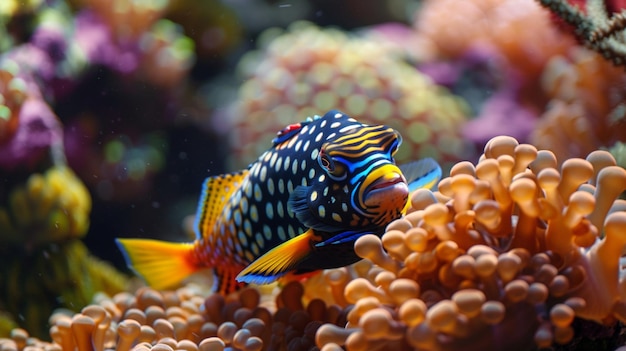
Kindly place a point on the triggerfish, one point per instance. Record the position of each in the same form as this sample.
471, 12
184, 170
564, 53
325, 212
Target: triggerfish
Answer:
298, 209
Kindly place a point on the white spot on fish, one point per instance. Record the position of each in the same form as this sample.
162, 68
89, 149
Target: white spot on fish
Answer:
298, 145
319, 137
336, 217
291, 231
294, 167
347, 128
269, 211
281, 186
243, 239
330, 136
267, 232
290, 186
314, 154
312, 130
306, 145
237, 218
281, 233
321, 211
279, 210
263, 174
248, 189
335, 125
313, 196
344, 207
270, 186
278, 164
273, 160
247, 227
255, 249
287, 163
244, 206
258, 193
311, 173
303, 165
254, 213
338, 115
259, 240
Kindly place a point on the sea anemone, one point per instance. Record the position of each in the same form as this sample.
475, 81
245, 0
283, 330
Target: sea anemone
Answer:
306, 71
508, 253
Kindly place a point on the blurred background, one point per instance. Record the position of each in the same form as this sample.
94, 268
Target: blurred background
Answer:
112, 112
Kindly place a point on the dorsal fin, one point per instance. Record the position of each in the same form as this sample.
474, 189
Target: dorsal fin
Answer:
291, 130
216, 191
424, 173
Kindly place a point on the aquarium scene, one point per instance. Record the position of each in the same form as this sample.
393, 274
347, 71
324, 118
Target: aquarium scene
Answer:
299, 175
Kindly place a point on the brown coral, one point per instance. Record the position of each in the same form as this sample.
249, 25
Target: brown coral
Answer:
510, 239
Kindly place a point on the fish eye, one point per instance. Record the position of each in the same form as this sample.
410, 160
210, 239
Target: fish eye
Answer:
326, 161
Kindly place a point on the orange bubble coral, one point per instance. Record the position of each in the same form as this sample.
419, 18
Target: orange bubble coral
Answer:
586, 110
537, 252
306, 71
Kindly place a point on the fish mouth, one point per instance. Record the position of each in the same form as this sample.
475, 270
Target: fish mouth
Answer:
386, 181
391, 183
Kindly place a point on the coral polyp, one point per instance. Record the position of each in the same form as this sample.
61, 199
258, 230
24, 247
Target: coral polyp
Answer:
307, 70
507, 254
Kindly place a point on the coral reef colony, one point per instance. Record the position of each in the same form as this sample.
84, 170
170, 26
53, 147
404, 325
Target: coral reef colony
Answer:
112, 113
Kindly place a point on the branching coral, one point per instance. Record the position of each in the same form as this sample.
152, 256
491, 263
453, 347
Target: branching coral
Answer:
510, 250
595, 25
307, 70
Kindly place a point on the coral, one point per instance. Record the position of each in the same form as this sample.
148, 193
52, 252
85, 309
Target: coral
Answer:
507, 254
586, 111
307, 70
49, 207
485, 52
44, 210
598, 25
501, 25
187, 319
47, 277
30, 133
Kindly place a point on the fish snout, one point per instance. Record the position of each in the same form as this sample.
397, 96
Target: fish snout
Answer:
388, 191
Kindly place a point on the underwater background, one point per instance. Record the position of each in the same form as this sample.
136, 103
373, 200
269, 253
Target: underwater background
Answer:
113, 112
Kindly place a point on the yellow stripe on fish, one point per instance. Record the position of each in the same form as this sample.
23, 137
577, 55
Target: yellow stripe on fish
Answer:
299, 208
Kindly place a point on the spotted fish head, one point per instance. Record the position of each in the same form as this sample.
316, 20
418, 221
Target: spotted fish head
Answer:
360, 184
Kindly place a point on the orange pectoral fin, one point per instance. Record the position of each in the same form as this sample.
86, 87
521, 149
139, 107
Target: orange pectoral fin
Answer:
279, 261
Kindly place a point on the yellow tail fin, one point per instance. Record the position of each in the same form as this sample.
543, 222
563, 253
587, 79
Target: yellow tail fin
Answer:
161, 264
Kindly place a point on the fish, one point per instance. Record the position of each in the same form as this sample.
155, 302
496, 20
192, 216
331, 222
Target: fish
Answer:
298, 209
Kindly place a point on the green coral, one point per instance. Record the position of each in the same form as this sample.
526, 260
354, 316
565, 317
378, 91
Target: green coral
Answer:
53, 276
48, 207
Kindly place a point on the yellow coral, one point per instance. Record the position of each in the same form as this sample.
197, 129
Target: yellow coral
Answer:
49, 207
